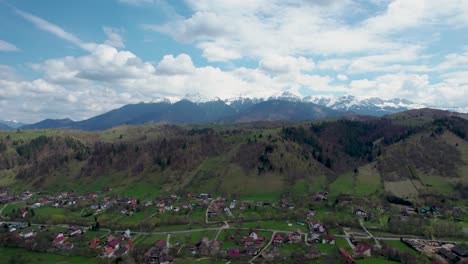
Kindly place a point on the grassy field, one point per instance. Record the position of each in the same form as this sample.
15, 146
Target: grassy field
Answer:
404, 189
344, 184
436, 184
401, 246
192, 237
149, 240
367, 180
379, 260
8, 255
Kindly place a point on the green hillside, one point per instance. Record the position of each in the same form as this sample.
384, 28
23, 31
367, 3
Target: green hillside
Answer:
410, 155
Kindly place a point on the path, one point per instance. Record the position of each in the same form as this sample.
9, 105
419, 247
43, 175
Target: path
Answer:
225, 226
347, 238
1, 210
168, 241
208, 209
263, 249
369, 233
394, 238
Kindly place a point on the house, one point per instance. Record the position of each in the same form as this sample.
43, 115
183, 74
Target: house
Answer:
109, 251
186, 205
251, 250
253, 235
94, 243
311, 213
27, 233
246, 204
328, 239
23, 212
348, 258
126, 234
68, 245
278, 240
312, 253
115, 243
36, 205
233, 253
313, 238
295, 237
132, 202
91, 196
73, 231
316, 227
43, 201
362, 250
360, 212
59, 239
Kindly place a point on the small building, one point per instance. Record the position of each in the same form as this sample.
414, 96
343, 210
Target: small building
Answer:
94, 243
278, 240
360, 212
328, 239
59, 239
363, 250
27, 233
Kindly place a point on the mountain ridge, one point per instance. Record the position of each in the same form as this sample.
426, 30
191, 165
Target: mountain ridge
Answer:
196, 109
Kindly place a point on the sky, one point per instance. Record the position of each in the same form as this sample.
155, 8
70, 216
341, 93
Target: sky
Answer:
78, 59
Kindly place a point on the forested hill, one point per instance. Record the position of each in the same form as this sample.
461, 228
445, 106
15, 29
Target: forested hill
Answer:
368, 155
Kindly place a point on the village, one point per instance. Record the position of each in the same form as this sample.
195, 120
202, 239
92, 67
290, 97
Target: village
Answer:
169, 228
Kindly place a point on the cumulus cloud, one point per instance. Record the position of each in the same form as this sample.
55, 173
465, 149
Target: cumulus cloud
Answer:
6, 46
182, 64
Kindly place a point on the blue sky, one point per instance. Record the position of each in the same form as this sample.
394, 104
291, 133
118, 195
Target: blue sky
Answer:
80, 58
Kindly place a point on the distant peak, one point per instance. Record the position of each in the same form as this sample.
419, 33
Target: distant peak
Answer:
196, 98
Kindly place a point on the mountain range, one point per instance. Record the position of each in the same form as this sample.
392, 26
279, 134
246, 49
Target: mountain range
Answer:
194, 109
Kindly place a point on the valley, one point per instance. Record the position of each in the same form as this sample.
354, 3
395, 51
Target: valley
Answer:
355, 188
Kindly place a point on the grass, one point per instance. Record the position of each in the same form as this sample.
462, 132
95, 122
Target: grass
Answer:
146, 240
379, 260
367, 180
274, 225
341, 242
344, 184
403, 189
192, 237
401, 246
437, 184
23, 256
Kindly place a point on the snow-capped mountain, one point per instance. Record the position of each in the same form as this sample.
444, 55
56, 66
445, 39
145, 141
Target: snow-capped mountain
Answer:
365, 106
12, 123
349, 103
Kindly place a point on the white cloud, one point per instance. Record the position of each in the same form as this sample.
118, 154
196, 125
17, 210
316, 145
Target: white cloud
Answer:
182, 64
342, 77
284, 64
416, 87
6, 46
56, 30
113, 37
